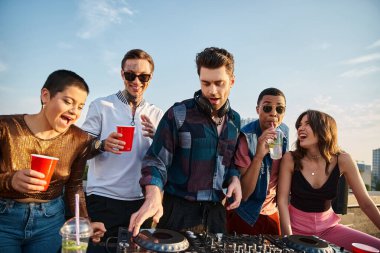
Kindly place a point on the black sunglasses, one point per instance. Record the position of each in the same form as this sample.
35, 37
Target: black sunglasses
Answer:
130, 76
279, 109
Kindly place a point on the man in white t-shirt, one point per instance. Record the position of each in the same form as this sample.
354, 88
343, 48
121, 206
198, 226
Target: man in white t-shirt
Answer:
113, 190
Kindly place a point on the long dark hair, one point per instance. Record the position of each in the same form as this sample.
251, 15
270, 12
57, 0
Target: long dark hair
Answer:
324, 127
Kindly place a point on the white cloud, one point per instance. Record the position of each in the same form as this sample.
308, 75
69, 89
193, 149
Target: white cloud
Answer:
3, 67
323, 103
354, 117
366, 115
358, 129
374, 45
98, 15
363, 59
359, 72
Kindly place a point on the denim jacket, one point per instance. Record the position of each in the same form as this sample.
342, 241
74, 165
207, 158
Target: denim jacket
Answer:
249, 210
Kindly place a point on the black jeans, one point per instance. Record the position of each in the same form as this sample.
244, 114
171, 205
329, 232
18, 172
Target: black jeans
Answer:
197, 216
113, 213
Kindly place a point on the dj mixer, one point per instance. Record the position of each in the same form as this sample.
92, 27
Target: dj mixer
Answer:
163, 240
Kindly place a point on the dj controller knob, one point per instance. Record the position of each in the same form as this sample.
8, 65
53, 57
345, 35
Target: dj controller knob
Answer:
123, 245
191, 234
219, 236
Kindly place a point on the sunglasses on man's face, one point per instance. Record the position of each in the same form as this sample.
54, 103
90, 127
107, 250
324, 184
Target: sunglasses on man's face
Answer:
130, 76
268, 108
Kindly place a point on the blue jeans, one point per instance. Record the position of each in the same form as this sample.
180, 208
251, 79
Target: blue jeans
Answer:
31, 227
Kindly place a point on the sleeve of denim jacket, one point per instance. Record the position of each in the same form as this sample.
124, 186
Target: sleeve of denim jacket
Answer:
159, 156
285, 129
287, 137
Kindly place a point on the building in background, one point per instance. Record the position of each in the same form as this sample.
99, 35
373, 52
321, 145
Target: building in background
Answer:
365, 172
376, 170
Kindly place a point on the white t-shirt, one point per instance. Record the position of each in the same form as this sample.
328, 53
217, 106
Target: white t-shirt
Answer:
111, 175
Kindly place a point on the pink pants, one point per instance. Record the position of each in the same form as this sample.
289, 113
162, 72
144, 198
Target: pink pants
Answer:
325, 225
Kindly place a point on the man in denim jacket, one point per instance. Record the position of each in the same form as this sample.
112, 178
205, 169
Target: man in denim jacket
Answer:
258, 212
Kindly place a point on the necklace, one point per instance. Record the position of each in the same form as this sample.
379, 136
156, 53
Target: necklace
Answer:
315, 171
135, 103
313, 157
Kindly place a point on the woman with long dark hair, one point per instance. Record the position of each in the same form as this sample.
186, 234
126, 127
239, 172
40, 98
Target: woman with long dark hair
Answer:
310, 174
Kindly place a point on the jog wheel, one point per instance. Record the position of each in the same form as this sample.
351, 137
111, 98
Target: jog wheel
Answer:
310, 244
161, 240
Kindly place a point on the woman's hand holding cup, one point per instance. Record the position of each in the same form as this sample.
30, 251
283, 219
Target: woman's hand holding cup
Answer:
28, 181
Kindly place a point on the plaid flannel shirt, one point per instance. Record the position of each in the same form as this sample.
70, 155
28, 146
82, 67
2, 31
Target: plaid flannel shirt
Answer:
187, 157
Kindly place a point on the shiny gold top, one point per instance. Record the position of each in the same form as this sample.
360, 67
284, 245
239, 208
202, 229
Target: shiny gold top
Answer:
17, 143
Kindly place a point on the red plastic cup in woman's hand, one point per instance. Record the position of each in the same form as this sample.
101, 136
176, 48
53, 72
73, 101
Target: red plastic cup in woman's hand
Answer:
45, 165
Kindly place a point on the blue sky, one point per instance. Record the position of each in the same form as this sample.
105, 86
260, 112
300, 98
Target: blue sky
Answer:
324, 55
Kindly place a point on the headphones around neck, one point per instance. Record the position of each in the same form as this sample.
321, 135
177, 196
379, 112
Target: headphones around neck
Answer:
206, 106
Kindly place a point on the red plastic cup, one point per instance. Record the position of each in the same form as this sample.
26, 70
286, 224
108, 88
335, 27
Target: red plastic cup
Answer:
363, 248
127, 132
44, 164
